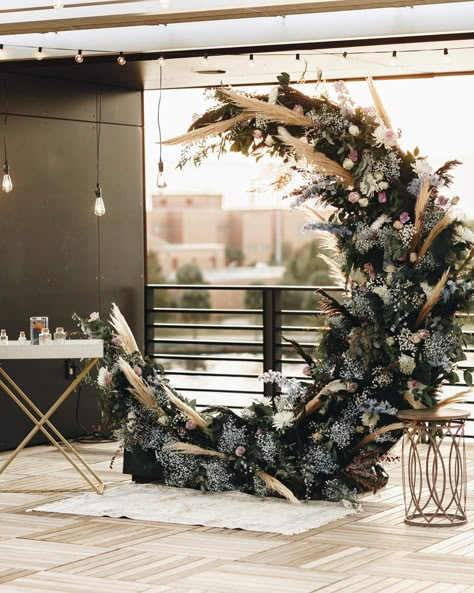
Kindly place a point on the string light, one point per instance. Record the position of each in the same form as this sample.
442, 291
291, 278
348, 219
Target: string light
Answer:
203, 61
58, 4
394, 59
343, 58
99, 206
161, 61
121, 60
79, 58
251, 63
446, 58
298, 60
40, 55
164, 3
160, 180
2, 51
7, 184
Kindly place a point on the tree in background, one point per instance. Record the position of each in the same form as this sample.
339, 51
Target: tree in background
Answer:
234, 256
162, 298
193, 298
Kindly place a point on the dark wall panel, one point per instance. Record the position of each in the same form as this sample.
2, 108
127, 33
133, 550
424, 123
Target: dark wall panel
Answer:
50, 237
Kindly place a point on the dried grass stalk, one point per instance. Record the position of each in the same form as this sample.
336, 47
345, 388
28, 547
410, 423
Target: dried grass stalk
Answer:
207, 131
312, 213
120, 325
315, 403
381, 112
373, 435
435, 231
276, 486
142, 392
431, 302
415, 404
466, 262
318, 160
335, 271
454, 399
421, 203
187, 410
275, 113
190, 449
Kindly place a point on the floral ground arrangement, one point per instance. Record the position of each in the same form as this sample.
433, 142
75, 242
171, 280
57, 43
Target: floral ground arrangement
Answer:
390, 238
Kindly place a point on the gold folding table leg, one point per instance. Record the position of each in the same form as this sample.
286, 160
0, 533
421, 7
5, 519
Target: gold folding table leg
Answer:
43, 419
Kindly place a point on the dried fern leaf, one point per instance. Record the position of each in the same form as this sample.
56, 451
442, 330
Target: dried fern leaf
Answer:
335, 271
318, 160
142, 392
332, 307
276, 486
454, 399
434, 296
421, 203
435, 231
187, 410
190, 449
120, 325
415, 404
214, 129
381, 112
373, 435
275, 113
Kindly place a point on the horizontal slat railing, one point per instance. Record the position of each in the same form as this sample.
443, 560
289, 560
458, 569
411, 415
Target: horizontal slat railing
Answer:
232, 346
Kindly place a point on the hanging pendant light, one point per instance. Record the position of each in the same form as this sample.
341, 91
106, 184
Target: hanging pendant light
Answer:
99, 206
160, 180
7, 185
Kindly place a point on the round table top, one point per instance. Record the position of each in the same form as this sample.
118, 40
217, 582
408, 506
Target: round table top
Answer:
433, 414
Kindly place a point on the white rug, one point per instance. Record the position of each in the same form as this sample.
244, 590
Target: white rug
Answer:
233, 510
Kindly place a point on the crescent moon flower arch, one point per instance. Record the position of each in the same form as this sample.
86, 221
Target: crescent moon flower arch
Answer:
391, 239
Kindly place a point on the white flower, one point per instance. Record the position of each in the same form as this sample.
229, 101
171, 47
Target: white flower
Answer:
378, 176
379, 222
273, 96
348, 164
354, 130
282, 420
263, 401
383, 185
384, 137
269, 141
407, 364
370, 418
383, 293
390, 341
427, 289
104, 378
94, 316
463, 235
363, 202
368, 185
413, 257
422, 168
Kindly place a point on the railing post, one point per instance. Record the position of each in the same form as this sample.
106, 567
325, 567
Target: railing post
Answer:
271, 313
149, 304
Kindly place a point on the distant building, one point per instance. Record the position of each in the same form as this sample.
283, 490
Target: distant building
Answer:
195, 229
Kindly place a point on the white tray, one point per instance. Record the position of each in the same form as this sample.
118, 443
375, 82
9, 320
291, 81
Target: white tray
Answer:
69, 349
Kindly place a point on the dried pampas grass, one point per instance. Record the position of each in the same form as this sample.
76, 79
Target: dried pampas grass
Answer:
435, 231
207, 131
120, 325
318, 160
276, 486
315, 403
454, 399
421, 203
187, 410
189, 449
275, 113
142, 393
431, 302
466, 262
373, 435
381, 112
415, 404
335, 271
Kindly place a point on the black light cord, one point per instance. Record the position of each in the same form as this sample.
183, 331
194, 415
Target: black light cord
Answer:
98, 118
159, 109
5, 118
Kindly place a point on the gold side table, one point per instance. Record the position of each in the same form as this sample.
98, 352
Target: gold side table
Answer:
434, 466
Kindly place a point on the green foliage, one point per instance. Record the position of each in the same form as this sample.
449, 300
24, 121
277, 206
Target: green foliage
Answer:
234, 256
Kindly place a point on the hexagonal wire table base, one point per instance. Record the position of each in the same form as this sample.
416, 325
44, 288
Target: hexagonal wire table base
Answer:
434, 466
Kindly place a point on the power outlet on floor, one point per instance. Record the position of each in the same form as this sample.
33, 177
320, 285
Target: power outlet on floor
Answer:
70, 369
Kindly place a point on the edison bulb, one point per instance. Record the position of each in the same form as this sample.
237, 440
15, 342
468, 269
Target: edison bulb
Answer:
161, 181
79, 58
7, 184
121, 60
40, 55
99, 206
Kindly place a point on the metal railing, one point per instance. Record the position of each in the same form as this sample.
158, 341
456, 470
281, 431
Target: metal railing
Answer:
260, 332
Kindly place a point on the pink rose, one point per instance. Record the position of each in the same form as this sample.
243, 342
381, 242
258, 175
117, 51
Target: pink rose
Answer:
138, 371
412, 383
298, 109
116, 341
366, 110
190, 425
443, 200
424, 333
258, 135
390, 135
369, 268
353, 155
353, 197
94, 316
240, 451
307, 370
351, 387
382, 196
404, 217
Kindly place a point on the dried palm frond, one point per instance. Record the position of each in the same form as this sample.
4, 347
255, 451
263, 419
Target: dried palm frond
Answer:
466, 262
315, 402
373, 435
275, 113
378, 104
435, 231
318, 160
142, 392
276, 486
328, 242
335, 271
415, 404
421, 203
120, 325
190, 449
333, 308
433, 299
312, 213
454, 399
187, 410
206, 131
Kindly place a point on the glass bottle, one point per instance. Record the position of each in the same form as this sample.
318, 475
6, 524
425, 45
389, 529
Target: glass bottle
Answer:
3, 337
22, 339
45, 337
60, 335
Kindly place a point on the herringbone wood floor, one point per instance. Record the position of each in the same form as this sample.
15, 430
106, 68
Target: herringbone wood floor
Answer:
370, 552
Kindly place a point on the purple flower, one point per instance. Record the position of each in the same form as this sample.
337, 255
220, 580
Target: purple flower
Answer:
404, 217
116, 341
442, 200
353, 155
369, 268
138, 371
190, 425
382, 197
307, 370
240, 451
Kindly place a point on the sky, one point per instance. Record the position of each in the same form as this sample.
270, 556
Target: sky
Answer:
433, 114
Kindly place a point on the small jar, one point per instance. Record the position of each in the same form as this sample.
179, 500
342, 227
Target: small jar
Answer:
22, 339
60, 335
3, 337
44, 337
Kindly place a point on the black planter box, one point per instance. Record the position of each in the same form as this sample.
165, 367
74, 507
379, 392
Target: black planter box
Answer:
142, 465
